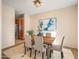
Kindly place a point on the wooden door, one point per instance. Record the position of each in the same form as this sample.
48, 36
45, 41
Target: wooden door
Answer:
21, 28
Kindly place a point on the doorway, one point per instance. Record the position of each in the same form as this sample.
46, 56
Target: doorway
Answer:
19, 29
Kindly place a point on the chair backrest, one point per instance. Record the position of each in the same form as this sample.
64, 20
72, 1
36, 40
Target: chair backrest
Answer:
39, 43
48, 34
59, 40
28, 42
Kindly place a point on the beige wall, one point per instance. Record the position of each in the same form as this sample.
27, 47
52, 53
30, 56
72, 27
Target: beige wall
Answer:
0, 25
8, 26
66, 22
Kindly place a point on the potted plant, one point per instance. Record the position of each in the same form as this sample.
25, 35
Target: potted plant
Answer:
30, 32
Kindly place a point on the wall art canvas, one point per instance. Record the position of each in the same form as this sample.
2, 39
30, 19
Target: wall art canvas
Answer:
48, 24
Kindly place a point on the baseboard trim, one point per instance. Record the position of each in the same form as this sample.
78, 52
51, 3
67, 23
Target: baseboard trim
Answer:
70, 47
12, 46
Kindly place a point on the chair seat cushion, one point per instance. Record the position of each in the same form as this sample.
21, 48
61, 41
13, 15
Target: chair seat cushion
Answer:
56, 47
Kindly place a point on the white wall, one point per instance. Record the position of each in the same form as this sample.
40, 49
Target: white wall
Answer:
26, 22
8, 26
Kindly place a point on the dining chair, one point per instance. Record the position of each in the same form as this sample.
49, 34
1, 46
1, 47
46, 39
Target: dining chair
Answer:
28, 44
48, 34
58, 45
39, 46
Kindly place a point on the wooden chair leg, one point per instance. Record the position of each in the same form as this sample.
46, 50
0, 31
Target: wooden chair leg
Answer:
35, 55
50, 53
46, 51
62, 55
30, 52
42, 55
25, 51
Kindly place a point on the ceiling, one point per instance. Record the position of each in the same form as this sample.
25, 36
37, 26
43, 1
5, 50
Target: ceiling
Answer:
22, 6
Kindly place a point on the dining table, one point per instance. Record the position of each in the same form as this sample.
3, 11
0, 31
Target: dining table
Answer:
47, 39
